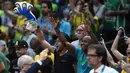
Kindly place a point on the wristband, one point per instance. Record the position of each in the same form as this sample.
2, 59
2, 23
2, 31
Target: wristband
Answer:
39, 62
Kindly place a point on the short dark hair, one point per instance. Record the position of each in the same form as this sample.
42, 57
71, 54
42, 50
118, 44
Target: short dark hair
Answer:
100, 51
36, 12
48, 2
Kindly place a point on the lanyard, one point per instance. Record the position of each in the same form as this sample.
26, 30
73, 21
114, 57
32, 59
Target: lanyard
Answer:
103, 69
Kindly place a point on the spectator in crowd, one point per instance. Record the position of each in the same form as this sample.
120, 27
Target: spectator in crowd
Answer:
79, 53
64, 23
21, 47
110, 59
27, 36
44, 21
125, 60
25, 62
5, 17
97, 9
80, 33
3, 62
78, 16
97, 58
63, 59
3, 47
47, 66
115, 12
3, 32
26, 65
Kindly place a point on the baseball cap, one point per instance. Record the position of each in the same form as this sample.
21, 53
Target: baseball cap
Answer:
2, 43
21, 44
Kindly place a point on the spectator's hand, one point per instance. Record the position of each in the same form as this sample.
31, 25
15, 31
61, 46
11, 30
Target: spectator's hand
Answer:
39, 34
126, 67
53, 22
10, 25
45, 30
108, 12
127, 39
119, 32
124, 11
43, 55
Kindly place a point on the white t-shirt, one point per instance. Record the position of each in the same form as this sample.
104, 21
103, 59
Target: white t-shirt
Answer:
103, 69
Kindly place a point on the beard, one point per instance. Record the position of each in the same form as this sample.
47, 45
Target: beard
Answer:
44, 13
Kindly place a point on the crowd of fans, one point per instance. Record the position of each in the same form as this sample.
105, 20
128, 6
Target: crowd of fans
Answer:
71, 37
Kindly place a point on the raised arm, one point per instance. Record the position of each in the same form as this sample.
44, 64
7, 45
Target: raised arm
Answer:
88, 30
37, 65
112, 13
109, 57
74, 9
19, 29
114, 47
41, 39
9, 13
63, 40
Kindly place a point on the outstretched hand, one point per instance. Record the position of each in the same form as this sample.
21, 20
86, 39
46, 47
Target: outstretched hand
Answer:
55, 23
123, 30
44, 55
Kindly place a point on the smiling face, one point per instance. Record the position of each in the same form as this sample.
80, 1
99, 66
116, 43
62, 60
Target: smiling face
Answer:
85, 42
128, 51
21, 51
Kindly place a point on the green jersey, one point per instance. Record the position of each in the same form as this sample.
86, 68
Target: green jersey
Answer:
3, 59
114, 22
